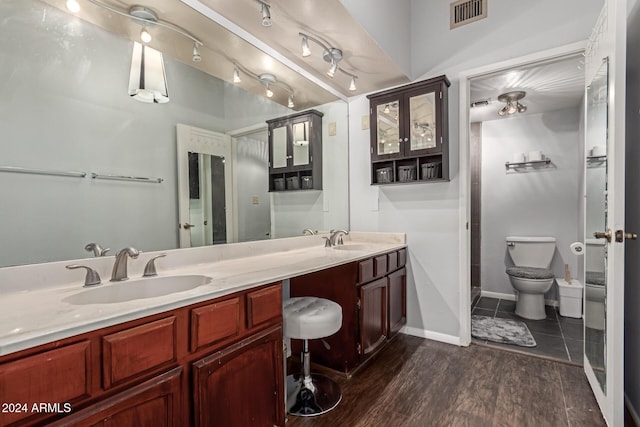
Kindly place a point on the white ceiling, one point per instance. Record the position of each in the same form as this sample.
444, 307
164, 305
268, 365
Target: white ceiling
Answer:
550, 86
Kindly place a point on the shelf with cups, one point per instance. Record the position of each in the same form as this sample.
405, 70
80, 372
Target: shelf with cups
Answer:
409, 133
295, 152
532, 163
596, 159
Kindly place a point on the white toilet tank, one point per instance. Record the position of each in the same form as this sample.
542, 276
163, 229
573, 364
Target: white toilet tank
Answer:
527, 251
594, 255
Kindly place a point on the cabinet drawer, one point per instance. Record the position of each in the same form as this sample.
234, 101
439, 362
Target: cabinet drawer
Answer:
392, 261
380, 265
214, 322
137, 350
402, 257
264, 305
365, 271
57, 376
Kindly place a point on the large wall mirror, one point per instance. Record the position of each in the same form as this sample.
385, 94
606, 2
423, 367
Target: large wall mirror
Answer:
64, 107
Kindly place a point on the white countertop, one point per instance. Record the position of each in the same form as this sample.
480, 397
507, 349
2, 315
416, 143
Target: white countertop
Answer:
34, 300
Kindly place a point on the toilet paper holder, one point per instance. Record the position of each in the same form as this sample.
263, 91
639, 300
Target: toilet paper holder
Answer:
577, 248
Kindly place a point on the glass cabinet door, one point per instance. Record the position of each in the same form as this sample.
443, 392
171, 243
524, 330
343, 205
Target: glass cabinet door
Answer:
422, 122
388, 128
301, 144
279, 147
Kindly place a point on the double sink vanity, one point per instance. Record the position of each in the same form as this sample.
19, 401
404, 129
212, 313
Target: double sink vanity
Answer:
199, 344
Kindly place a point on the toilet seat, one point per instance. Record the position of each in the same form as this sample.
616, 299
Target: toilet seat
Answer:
530, 273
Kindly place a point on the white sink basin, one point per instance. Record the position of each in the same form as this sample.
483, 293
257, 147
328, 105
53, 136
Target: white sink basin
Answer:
150, 287
354, 247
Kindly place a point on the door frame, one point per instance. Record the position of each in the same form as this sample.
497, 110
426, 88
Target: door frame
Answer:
464, 241
217, 144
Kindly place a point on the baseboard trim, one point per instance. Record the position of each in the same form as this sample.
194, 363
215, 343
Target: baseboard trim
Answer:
512, 297
435, 336
631, 410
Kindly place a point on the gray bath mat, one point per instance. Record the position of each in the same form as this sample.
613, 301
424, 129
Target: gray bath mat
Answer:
501, 330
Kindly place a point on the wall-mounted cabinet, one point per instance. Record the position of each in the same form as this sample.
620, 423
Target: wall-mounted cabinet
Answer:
295, 152
409, 133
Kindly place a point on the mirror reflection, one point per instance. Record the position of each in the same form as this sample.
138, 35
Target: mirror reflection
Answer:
66, 108
596, 221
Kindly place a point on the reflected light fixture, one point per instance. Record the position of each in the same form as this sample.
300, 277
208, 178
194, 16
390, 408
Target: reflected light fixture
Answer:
145, 37
73, 6
236, 75
331, 55
147, 81
387, 110
265, 10
290, 103
513, 104
424, 130
269, 81
145, 17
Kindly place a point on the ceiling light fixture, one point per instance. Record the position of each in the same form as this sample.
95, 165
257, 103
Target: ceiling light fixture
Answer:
424, 130
513, 104
269, 81
331, 55
73, 6
148, 18
265, 10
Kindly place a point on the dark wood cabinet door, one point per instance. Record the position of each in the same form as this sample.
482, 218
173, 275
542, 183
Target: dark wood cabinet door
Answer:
242, 385
156, 402
373, 316
397, 301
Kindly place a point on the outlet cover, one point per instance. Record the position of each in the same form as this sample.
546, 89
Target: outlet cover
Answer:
255, 200
332, 129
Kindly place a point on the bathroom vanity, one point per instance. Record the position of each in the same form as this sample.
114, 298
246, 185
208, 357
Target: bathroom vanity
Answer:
208, 355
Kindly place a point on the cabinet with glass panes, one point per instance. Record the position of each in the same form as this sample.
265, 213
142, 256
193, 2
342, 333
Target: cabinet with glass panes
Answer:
409, 133
295, 152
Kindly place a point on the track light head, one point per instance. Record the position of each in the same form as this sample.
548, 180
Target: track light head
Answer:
290, 103
266, 14
352, 86
236, 76
145, 37
196, 53
333, 69
305, 47
73, 6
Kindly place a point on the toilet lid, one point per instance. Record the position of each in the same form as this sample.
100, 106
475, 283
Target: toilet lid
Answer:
530, 272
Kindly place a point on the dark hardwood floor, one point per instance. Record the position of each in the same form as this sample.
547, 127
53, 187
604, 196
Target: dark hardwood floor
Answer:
418, 382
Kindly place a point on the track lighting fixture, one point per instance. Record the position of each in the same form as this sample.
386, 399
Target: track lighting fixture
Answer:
269, 81
145, 17
331, 55
424, 130
265, 10
513, 103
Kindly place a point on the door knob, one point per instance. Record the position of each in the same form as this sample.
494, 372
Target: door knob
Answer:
621, 236
601, 235
187, 226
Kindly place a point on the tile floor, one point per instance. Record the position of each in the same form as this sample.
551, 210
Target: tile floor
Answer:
556, 336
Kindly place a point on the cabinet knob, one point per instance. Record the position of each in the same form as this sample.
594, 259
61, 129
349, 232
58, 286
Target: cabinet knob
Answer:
406, 139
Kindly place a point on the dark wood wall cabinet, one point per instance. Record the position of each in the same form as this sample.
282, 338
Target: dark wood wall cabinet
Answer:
410, 133
214, 363
372, 294
295, 152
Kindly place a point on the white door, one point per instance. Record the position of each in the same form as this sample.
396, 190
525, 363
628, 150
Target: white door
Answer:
195, 228
605, 60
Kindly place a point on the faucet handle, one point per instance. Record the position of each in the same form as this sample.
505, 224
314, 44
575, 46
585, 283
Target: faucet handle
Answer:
150, 268
327, 242
96, 249
91, 279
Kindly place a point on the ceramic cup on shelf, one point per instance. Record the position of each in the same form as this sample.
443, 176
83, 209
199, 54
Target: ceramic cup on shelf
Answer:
598, 150
535, 156
517, 158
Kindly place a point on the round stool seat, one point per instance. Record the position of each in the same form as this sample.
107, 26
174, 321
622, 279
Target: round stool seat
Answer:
308, 318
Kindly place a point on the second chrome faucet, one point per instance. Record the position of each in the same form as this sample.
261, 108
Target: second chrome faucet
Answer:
119, 272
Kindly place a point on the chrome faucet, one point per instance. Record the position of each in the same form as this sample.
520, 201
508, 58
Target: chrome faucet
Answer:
336, 237
119, 272
96, 249
308, 231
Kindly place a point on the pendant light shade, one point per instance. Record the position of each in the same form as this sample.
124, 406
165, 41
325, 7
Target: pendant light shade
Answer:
147, 81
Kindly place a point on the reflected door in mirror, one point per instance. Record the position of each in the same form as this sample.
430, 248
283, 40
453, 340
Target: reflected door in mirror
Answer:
207, 207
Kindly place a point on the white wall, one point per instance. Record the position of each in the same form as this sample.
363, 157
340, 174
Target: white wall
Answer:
386, 22
533, 202
429, 213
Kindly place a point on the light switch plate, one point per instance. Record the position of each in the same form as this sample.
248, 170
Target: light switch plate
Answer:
332, 129
365, 122
255, 200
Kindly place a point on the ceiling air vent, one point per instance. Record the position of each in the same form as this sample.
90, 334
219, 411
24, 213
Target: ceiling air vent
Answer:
467, 11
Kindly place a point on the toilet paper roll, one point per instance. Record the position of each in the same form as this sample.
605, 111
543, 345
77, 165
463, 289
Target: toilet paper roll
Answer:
599, 150
577, 248
517, 158
535, 156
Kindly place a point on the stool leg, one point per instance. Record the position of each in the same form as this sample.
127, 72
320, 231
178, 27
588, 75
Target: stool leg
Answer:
311, 394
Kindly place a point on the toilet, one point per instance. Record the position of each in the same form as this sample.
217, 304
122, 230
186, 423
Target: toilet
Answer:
530, 276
